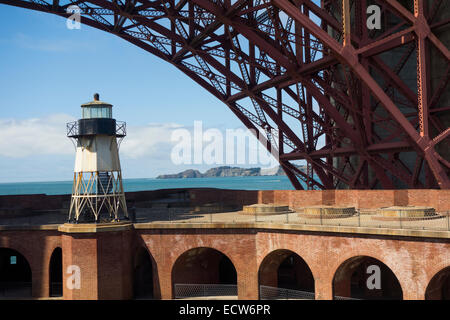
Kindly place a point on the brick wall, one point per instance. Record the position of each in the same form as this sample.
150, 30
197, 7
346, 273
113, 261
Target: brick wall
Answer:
33, 201
106, 258
366, 199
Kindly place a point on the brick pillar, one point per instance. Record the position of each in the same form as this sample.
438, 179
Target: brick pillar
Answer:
247, 280
165, 280
323, 287
413, 292
101, 253
40, 283
36, 261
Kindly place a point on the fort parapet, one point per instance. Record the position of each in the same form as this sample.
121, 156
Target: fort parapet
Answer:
362, 199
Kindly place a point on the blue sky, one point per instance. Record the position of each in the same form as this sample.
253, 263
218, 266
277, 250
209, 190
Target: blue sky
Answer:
47, 71
47, 68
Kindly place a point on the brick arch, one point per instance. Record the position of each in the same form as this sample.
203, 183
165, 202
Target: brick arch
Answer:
395, 268
223, 251
305, 255
434, 268
25, 270
21, 250
50, 252
55, 290
346, 262
293, 250
431, 266
169, 246
214, 250
139, 248
428, 294
268, 269
28, 255
37, 248
155, 275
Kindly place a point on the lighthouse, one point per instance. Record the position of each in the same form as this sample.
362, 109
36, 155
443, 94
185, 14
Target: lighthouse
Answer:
97, 193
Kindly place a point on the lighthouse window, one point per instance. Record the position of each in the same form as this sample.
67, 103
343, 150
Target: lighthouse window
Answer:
105, 113
93, 112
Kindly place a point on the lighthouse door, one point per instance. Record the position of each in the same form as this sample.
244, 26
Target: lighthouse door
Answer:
104, 184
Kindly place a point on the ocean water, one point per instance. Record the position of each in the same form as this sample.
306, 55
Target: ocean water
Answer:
240, 183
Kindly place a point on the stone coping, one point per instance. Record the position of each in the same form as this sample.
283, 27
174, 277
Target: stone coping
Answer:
43, 227
85, 228
298, 227
94, 228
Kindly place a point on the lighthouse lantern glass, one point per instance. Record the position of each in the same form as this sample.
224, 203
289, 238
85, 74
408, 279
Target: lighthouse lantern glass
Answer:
97, 112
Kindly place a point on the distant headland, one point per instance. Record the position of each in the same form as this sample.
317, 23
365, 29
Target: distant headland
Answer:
227, 171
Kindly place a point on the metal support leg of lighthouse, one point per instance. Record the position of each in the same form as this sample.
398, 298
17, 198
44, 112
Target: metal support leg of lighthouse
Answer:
89, 195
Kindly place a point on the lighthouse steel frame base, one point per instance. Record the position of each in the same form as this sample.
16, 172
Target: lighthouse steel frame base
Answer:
309, 77
91, 196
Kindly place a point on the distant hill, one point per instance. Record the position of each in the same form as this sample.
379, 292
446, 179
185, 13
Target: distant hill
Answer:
226, 171
185, 174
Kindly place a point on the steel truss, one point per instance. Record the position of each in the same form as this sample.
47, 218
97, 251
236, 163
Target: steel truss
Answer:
94, 193
309, 77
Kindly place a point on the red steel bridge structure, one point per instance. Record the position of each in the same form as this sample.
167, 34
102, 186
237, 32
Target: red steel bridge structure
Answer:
365, 108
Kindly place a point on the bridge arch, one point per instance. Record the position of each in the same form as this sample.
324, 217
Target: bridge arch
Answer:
203, 271
439, 286
253, 67
365, 277
285, 269
15, 274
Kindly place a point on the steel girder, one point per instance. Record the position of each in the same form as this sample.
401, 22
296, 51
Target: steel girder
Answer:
309, 78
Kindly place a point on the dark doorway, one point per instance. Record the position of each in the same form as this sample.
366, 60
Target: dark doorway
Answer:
357, 278
56, 288
15, 275
204, 272
143, 275
283, 274
227, 272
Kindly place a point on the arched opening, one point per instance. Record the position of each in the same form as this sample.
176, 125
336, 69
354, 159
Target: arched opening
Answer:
15, 275
439, 286
56, 273
143, 285
203, 272
283, 274
364, 277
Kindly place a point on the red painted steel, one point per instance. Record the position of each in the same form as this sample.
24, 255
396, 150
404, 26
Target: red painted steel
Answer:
310, 78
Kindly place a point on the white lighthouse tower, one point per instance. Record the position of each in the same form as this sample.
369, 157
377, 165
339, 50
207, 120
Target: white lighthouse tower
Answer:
97, 183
